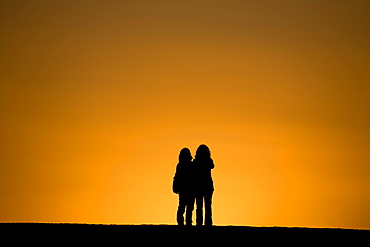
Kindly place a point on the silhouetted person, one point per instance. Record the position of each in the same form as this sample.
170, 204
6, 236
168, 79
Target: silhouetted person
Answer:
183, 185
203, 164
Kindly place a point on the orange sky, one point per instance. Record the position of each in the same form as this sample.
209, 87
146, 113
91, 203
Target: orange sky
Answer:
97, 98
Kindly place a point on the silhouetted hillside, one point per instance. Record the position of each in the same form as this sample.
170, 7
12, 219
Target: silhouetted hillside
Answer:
44, 233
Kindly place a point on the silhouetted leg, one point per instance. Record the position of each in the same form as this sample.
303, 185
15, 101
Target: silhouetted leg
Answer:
189, 210
181, 209
208, 208
199, 210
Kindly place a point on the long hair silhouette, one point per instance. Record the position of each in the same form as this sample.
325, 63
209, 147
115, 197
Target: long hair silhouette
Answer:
203, 152
185, 155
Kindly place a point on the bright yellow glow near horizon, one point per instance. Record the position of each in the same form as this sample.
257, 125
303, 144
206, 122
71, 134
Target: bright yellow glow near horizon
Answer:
97, 98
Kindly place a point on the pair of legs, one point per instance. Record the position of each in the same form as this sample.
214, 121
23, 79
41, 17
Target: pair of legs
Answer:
205, 197
186, 202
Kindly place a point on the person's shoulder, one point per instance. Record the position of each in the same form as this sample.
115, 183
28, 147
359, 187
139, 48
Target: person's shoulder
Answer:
212, 165
209, 160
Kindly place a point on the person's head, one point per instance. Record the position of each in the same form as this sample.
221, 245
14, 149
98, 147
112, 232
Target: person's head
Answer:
203, 152
185, 155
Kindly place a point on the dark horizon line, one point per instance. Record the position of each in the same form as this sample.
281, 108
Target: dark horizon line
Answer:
175, 225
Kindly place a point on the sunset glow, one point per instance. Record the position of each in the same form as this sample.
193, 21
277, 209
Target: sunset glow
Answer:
97, 99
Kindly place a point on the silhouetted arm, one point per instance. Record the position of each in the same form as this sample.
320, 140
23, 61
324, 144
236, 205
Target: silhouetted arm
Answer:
179, 171
211, 164
175, 182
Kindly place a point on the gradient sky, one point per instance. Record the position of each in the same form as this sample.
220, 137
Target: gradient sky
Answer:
97, 98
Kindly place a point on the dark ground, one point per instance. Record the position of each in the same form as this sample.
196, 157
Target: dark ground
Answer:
45, 233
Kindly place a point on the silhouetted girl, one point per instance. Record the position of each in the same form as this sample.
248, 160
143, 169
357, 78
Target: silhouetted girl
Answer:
203, 164
183, 185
